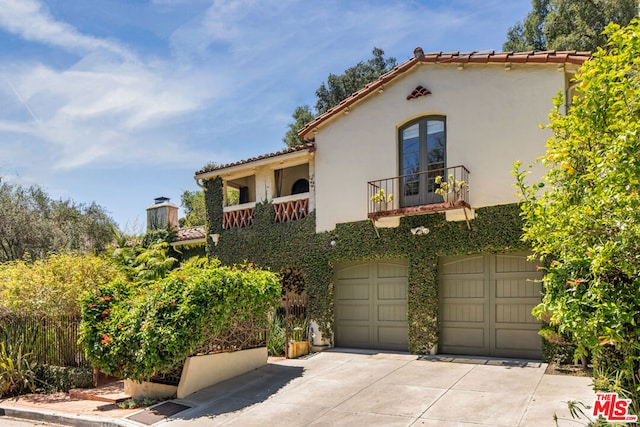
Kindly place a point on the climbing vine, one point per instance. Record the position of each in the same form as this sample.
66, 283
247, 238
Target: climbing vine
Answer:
296, 245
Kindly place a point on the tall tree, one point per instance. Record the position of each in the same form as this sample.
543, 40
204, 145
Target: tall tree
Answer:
338, 88
529, 35
586, 222
301, 117
31, 222
194, 207
568, 24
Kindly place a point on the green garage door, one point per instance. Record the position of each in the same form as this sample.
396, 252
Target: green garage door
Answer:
485, 305
371, 305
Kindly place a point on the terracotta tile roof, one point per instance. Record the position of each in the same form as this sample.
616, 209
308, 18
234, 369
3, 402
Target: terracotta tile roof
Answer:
190, 233
308, 146
481, 57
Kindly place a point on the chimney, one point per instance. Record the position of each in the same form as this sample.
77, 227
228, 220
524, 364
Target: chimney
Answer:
161, 214
418, 52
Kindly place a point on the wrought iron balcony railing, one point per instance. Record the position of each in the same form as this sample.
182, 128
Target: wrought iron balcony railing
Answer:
420, 192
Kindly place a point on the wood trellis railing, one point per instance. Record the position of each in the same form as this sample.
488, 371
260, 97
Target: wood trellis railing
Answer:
238, 218
291, 210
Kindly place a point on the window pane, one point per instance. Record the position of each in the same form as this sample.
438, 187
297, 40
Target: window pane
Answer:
411, 161
410, 185
410, 132
435, 126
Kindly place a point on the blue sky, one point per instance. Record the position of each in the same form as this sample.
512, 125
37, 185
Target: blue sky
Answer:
121, 101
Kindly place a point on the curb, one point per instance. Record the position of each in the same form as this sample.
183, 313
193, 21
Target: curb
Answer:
64, 419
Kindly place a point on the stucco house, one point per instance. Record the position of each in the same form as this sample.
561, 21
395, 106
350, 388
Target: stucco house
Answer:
391, 259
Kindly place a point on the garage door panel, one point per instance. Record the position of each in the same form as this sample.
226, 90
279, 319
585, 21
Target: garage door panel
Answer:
518, 343
516, 262
510, 288
463, 312
387, 270
353, 290
518, 287
354, 271
379, 317
353, 336
464, 288
463, 337
392, 313
474, 264
515, 313
392, 289
394, 338
353, 312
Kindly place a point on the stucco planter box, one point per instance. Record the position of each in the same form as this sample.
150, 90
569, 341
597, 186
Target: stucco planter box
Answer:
298, 348
201, 372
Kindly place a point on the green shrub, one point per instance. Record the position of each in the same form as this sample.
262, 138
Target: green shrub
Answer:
52, 379
16, 371
277, 336
556, 348
54, 285
140, 332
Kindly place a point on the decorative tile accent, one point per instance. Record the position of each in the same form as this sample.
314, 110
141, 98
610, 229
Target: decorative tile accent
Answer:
418, 92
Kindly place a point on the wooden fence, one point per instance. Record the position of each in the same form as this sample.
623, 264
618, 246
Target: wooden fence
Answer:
50, 340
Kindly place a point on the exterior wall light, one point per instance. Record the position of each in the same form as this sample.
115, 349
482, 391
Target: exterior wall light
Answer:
418, 231
215, 238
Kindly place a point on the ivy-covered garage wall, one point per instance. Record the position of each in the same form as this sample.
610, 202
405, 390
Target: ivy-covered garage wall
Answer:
295, 244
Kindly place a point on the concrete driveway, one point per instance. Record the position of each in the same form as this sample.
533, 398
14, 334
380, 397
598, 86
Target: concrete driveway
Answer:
364, 388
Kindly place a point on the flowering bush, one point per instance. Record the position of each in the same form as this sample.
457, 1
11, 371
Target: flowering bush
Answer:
140, 332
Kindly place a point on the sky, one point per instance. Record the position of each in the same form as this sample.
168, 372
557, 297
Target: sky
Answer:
118, 102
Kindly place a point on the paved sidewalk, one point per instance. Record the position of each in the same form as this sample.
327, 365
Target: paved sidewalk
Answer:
353, 388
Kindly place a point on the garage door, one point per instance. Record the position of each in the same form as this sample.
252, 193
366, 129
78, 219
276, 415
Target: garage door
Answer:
371, 305
485, 305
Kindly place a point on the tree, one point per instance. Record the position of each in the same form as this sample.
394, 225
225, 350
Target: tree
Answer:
568, 24
302, 116
585, 225
30, 222
194, 207
529, 35
338, 88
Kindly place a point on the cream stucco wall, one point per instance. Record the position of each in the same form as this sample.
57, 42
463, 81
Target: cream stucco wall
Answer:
492, 119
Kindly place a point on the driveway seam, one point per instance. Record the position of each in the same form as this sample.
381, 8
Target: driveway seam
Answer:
365, 387
447, 390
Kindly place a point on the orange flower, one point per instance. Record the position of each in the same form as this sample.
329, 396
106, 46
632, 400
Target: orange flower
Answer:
105, 339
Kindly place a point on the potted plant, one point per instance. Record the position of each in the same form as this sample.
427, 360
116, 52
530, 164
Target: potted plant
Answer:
381, 200
293, 286
298, 342
450, 189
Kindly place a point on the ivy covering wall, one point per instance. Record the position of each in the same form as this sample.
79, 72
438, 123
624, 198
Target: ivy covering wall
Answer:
295, 244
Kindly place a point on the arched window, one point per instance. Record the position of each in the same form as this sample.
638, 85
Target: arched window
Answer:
423, 148
300, 186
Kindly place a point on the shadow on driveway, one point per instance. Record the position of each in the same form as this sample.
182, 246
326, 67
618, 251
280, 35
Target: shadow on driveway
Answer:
238, 393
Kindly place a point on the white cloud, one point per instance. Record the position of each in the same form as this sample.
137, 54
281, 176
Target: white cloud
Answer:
30, 20
107, 107
99, 114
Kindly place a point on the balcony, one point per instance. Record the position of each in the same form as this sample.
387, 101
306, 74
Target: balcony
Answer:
287, 208
238, 216
416, 193
291, 208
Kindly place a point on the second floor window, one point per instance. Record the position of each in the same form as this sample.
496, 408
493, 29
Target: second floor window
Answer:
422, 149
